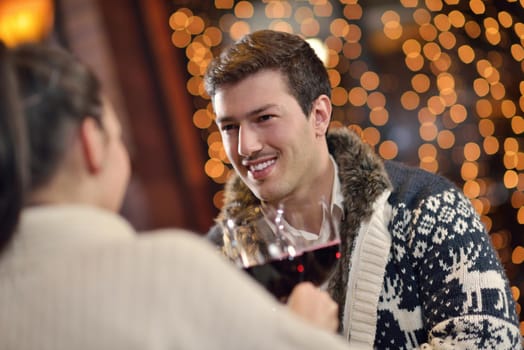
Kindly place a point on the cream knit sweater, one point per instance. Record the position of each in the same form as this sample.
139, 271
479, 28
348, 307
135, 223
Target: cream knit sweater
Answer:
79, 278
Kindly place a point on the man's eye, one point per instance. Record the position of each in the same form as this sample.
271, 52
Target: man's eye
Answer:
263, 118
228, 127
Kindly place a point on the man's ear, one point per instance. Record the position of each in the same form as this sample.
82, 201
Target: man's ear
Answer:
321, 114
92, 142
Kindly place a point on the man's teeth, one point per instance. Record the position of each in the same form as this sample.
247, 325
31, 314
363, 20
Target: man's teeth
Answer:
261, 166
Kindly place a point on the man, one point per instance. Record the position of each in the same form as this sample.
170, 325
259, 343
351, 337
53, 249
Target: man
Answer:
417, 268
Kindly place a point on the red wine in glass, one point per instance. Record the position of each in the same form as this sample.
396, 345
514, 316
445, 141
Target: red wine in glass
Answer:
280, 276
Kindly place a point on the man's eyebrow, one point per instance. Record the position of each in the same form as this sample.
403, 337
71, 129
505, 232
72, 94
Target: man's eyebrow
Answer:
256, 111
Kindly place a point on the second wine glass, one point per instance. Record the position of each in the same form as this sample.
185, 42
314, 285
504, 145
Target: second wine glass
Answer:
281, 247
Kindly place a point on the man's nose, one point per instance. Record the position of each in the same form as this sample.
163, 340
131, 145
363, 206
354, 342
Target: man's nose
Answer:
248, 141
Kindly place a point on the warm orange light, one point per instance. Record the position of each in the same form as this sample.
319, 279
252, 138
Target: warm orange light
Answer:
376, 99
517, 124
511, 144
428, 131
491, 145
505, 19
472, 29
510, 160
520, 215
471, 151
466, 54
303, 13
212, 36
508, 108
202, 119
477, 6
339, 96
379, 116
458, 113
431, 51
334, 77
278, 9
517, 51
310, 27
357, 96
369, 80
410, 100
214, 137
442, 22
371, 135
427, 152
428, 32
353, 11
498, 240
436, 105
498, 91
411, 47
415, 62
434, 5
180, 38
179, 19
456, 19
446, 139
25, 21
195, 25
352, 50
238, 29
486, 127
388, 149
224, 4
429, 166
214, 168
422, 16
409, 3
511, 179
216, 150
517, 199
515, 292
323, 9
420, 83
339, 27
471, 189
481, 87
483, 108
281, 26
447, 40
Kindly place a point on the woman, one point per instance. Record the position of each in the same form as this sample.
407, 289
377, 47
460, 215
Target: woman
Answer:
74, 275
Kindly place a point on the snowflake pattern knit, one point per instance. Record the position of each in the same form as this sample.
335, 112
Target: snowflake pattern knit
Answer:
440, 268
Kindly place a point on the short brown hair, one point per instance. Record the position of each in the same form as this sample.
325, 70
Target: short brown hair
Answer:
290, 54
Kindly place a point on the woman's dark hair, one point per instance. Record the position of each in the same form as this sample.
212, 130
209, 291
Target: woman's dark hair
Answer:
45, 94
306, 75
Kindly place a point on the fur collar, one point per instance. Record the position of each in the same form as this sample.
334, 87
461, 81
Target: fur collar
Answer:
362, 179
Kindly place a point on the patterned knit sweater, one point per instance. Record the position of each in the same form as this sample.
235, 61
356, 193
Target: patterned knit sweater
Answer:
418, 269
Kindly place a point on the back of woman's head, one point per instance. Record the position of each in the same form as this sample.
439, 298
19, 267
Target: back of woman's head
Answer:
45, 94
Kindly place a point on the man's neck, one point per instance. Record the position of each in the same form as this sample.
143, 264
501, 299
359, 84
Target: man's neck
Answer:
309, 203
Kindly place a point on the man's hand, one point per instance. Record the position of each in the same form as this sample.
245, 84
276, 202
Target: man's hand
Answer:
314, 305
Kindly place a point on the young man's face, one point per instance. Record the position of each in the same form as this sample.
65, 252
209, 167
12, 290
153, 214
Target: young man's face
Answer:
272, 145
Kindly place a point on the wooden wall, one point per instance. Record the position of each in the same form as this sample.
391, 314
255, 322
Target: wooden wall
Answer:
127, 43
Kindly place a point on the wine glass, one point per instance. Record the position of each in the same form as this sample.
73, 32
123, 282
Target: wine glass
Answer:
281, 247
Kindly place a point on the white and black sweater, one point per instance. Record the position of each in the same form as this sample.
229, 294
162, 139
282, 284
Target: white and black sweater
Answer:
418, 269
